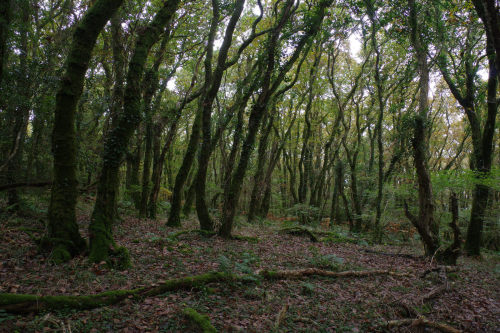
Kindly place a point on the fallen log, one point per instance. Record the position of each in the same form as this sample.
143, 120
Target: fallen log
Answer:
421, 322
298, 231
293, 274
19, 303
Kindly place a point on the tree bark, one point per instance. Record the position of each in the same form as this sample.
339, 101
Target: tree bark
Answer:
102, 244
63, 235
426, 225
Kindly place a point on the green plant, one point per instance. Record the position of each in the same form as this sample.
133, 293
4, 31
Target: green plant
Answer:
325, 261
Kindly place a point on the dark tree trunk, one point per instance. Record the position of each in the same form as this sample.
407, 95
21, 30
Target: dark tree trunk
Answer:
337, 190
102, 244
174, 218
258, 188
212, 85
4, 32
426, 225
63, 235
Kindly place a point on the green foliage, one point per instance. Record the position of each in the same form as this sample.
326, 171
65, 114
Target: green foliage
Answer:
325, 261
305, 212
464, 180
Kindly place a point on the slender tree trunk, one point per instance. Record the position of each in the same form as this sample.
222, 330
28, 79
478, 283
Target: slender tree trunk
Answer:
174, 219
482, 157
426, 225
212, 84
102, 244
63, 235
4, 32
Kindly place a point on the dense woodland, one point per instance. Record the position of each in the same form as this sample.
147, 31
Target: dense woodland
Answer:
188, 149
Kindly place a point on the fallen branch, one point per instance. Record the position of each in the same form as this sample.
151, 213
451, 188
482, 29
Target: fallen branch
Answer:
298, 231
293, 274
18, 303
24, 184
281, 316
201, 320
401, 255
421, 322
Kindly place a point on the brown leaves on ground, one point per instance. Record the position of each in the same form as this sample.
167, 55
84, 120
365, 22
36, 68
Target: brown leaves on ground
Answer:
471, 301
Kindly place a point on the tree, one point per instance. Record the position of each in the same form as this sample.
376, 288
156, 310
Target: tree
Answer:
63, 235
102, 245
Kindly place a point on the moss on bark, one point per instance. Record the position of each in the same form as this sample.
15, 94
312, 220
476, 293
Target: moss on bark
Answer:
102, 245
63, 235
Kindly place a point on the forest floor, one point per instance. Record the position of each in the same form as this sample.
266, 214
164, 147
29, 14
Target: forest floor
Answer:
470, 301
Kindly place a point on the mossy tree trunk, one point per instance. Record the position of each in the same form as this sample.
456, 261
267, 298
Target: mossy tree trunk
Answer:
151, 83
174, 218
425, 223
63, 235
258, 188
482, 136
102, 244
483, 147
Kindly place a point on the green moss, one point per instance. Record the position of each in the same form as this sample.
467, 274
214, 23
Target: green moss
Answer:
60, 255
200, 319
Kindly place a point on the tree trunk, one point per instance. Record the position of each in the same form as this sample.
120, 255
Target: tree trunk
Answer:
102, 244
174, 219
4, 32
63, 235
482, 158
426, 225
212, 85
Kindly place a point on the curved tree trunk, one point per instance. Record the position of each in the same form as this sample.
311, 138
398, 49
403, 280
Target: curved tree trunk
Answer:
63, 235
174, 218
426, 225
102, 244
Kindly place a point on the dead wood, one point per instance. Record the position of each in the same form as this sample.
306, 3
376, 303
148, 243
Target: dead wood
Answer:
18, 303
421, 322
25, 184
299, 231
281, 316
293, 274
401, 255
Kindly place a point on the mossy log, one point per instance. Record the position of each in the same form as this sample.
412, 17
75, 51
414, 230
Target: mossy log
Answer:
18, 303
200, 319
299, 231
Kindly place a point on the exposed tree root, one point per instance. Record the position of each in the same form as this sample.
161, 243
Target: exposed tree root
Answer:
18, 303
422, 322
200, 319
299, 231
